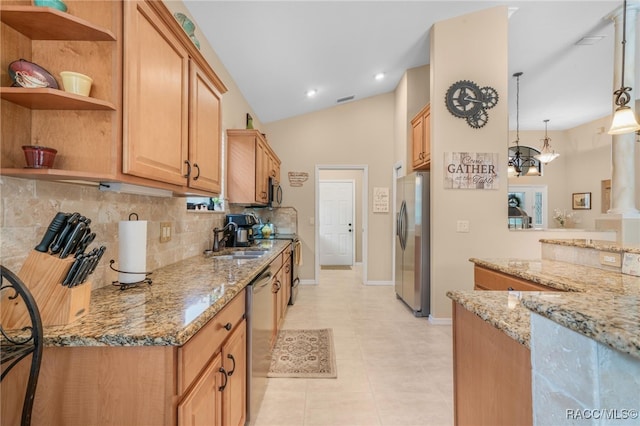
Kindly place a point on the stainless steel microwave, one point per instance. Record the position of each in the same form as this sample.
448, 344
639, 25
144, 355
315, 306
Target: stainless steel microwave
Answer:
275, 193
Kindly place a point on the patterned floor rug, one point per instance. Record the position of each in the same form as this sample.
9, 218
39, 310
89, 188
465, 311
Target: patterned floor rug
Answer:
304, 354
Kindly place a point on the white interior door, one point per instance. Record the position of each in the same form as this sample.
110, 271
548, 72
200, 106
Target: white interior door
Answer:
336, 222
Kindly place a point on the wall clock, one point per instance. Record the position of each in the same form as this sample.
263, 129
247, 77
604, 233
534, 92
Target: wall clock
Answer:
465, 99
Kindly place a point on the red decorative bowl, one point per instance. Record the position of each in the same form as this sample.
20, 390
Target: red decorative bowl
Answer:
39, 157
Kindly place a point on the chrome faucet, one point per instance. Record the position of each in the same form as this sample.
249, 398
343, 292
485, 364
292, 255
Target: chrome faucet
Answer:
216, 231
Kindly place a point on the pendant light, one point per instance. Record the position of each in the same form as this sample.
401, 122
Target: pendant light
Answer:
624, 119
547, 154
518, 161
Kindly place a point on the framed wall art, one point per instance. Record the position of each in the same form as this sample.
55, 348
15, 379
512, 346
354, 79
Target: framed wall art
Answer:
581, 201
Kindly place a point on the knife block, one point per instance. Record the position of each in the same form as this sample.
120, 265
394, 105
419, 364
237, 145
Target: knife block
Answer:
43, 274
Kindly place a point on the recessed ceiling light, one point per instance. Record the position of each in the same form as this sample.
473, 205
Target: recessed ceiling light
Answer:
311, 93
379, 76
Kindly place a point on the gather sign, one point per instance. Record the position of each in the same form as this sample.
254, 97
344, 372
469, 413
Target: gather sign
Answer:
471, 170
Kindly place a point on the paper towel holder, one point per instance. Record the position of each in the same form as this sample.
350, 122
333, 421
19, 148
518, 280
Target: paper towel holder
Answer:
124, 286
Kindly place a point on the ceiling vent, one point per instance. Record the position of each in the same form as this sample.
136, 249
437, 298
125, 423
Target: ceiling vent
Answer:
588, 40
345, 99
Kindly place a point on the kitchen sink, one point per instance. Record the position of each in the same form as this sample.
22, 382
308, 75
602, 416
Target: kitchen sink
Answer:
241, 255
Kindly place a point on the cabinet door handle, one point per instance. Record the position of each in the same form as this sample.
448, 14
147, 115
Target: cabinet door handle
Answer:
188, 169
197, 168
510, 289
226, 379
228, 326
230, 373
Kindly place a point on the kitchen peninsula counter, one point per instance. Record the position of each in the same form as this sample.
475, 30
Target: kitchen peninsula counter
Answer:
184, 296
600, 304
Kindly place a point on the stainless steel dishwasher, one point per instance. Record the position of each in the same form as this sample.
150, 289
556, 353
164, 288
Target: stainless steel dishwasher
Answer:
259, 328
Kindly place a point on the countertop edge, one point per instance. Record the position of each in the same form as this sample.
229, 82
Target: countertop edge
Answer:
71, 335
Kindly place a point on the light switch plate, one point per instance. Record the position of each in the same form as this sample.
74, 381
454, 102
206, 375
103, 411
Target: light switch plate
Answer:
462, 226
165, 232
631, 264
608, 258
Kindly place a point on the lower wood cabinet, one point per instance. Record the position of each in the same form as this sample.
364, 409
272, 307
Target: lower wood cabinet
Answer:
488, 279
234, 390
202, 382
491, 374
218, 396
203, 405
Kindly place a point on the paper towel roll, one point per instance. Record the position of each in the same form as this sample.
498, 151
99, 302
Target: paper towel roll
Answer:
132, 246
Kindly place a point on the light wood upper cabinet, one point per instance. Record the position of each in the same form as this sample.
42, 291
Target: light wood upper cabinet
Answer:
84, 130
156, 84
251, 163
421, 125
204, 133
153, 114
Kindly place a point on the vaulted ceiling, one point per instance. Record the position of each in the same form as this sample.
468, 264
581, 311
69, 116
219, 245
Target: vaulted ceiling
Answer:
277, 51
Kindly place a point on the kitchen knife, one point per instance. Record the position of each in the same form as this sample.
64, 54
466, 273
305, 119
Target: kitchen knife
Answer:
62, 237
73, 271
93, 260
86, 240
82, 271
73, 240
54, 228
99, 254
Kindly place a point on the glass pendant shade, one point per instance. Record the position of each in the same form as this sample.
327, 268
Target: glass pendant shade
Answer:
532, 172
547, 155
624, 121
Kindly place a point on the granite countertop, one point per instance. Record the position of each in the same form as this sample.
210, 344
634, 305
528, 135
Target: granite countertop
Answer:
183, 297
501, 309
600, 304
603, 245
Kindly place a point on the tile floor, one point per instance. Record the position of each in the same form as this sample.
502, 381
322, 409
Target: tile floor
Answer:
393, 368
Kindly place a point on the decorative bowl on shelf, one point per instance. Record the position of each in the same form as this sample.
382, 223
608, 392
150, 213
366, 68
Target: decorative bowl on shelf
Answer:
39, 157
74, 82
56, 4
30, 75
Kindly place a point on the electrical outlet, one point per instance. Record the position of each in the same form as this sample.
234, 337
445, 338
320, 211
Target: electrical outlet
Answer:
631, 264
165, 232
462, 226
610, 259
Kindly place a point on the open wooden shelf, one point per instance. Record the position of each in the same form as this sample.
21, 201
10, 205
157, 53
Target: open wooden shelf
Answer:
45, 23
47, 98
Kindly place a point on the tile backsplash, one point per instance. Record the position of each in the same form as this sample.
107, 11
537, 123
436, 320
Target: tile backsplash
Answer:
28, 206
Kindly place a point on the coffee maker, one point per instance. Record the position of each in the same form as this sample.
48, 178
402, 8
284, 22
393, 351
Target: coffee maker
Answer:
243, 235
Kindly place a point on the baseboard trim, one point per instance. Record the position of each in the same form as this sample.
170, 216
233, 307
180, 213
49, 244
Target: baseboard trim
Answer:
439, 321
379, 283
308, 282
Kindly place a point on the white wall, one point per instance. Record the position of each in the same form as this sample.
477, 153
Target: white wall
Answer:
479, 41
354, 133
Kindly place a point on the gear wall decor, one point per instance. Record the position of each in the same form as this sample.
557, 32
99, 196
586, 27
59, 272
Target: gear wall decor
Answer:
465, 99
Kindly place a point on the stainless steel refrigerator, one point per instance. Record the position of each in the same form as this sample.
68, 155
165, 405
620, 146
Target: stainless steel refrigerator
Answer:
412, 280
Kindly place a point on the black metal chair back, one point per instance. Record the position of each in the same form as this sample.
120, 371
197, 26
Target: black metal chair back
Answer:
18, 344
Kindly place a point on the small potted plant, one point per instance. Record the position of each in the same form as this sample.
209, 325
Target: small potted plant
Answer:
215, 203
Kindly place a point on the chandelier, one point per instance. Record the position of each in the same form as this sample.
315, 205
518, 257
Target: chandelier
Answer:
547, 154
518, 162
